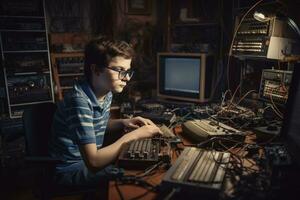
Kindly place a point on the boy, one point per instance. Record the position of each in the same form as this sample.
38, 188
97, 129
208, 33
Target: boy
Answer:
82, 117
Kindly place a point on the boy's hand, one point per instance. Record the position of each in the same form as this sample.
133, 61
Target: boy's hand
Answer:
137, 122
145, 131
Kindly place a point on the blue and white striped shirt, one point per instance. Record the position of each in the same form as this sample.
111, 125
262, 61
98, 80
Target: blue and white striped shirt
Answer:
80, 119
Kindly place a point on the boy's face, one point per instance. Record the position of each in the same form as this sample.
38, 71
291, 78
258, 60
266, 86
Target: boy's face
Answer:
109, 79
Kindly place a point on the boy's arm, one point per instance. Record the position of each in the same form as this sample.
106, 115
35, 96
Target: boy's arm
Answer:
97, 159
115, 125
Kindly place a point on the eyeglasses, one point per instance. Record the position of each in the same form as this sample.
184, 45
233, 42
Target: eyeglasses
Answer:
122, 73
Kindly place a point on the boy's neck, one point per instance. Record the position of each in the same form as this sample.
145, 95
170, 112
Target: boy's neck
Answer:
100, 94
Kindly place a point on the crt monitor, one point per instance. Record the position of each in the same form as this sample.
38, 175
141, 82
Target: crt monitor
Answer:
185, 76
291, 123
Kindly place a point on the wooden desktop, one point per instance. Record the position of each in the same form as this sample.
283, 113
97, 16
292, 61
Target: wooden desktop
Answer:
136, 192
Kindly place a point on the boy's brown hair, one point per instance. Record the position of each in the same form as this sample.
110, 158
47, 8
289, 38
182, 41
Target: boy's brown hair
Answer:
100, 51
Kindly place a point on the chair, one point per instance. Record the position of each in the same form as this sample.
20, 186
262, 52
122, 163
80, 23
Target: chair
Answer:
37, 122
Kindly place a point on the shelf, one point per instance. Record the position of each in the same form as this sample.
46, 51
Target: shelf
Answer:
264, 3
68, 54
196, 24
114, 107
27, 73
67, 66
188, 29
20, 30
66, 87
73, 74
31, 103
27, 51
28, 17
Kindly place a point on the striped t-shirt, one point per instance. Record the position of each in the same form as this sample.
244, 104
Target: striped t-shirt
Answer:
80, 119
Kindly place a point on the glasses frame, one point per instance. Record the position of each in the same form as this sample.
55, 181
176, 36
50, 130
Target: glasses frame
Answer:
122, 73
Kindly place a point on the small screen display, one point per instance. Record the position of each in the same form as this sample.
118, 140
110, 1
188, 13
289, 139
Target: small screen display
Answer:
182, 74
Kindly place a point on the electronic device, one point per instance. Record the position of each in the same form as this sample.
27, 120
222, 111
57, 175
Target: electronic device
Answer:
22, 8
234, 112
159, 116
23, 24
272, 39
203, 129
140, 153
27, 62
155, 112
277, 155
269, 130
169, 136
22, 41
275, 85
185, 76
148, 105
166, 132
284, 158
197, 170
70, 64
29, 88
24, 89
68, 81
145, 152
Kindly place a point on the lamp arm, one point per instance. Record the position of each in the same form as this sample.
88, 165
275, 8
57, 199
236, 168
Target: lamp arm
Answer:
293, 25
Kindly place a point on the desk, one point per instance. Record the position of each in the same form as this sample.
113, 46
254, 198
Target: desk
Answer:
249, 171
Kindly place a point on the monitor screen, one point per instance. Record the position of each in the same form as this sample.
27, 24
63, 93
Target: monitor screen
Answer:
185, 76
291, 122
182, 74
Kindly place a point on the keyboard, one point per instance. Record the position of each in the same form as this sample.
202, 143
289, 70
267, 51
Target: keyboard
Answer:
198, 170
146, 152
206, 126
203, 129
140, 153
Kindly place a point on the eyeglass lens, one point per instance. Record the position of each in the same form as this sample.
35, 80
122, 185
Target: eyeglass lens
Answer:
123, 74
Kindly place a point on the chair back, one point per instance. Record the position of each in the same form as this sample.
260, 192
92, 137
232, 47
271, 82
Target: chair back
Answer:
37, 121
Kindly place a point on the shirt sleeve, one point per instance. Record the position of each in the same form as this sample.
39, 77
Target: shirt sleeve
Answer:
79, 118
